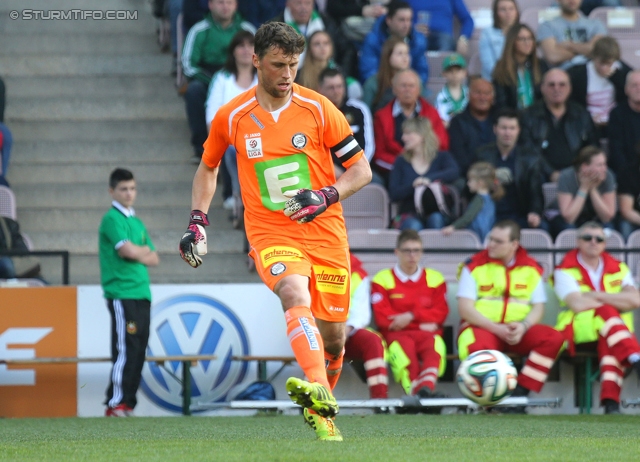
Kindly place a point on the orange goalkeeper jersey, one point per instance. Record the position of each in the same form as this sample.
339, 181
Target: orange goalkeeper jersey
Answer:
273, 157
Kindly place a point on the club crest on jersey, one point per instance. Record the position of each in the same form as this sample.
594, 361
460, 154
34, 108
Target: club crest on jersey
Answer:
278, 268
254, 148
299, 140
132, 328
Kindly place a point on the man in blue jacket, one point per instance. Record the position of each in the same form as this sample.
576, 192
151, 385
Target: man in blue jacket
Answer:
398, 21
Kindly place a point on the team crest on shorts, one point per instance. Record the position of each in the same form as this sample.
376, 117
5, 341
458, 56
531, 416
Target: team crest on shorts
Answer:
278, 268
299, 140
132, 328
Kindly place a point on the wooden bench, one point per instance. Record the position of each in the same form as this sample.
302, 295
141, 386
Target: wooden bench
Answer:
186, 360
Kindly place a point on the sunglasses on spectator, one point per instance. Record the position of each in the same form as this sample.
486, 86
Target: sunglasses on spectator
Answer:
589, 237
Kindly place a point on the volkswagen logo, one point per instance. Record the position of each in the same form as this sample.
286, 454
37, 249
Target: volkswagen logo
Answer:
194, 324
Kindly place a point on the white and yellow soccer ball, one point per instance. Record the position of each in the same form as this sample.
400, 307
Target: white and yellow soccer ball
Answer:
487, 377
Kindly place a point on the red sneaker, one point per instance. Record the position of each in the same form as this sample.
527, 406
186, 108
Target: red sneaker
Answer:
121, 410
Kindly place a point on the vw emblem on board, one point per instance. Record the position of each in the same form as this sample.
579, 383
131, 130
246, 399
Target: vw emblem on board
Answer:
191, 325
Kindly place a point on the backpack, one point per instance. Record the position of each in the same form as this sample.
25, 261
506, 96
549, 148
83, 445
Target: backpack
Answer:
257, 391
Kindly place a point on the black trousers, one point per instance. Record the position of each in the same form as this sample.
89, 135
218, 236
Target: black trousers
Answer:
129, 337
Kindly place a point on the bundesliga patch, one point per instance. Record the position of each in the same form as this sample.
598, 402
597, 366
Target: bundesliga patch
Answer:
331, 280
299, 140
254, 148
132, 328
278, 268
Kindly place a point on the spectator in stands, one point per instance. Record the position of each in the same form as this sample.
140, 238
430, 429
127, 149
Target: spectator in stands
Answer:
518, 73
454, 96
192, 12
505, 15
599, 84
258, 12
629, 197
396, 22
600, 295
363, 344
395, 57
555, 126
125, 251
480, 214
624, 128
589, 5
6, 143
501, 299
205, 52
440, 29
586, 192
473, 127
387, 124
236, 76
517, 170
568, 39
420, 166
410, 306
332, 85
357, 17
305, 19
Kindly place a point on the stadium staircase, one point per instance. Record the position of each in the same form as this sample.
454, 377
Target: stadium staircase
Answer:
84, 97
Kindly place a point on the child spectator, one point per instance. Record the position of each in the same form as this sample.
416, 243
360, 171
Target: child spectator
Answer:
454, 96
480, 214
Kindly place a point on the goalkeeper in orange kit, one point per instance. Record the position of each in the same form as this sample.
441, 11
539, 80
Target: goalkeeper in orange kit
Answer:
285, 136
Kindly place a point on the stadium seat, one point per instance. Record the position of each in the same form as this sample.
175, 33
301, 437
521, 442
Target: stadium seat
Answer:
7, 203
482, 17
630, 52
533, 17
373, 238
448, 263
633, 258
539, 239
550, 193
621, 23
368, 208
567, 239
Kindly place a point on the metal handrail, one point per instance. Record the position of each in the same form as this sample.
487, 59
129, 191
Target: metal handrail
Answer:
43, 253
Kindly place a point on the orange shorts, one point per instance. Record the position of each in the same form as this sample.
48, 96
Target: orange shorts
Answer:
328, 270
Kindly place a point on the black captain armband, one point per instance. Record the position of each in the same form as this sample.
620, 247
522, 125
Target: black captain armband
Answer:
346, 149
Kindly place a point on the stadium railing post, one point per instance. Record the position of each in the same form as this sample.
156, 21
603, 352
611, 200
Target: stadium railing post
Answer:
186, 387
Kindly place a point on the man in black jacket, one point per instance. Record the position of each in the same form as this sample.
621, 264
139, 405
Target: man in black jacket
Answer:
518, 169
624, 129
556, 127
473, 127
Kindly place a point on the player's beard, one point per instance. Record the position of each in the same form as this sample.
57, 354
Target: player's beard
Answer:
273, 91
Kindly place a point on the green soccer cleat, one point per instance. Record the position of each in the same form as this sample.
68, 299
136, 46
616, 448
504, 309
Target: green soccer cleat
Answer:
313, 396
324, 427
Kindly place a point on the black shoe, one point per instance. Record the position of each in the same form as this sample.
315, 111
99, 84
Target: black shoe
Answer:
611, 407
381, 410
520, 391
517, 410
636, 366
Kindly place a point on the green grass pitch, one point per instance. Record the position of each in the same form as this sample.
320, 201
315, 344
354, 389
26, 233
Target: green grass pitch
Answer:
389, 438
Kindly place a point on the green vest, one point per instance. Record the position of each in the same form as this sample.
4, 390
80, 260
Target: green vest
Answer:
121, 278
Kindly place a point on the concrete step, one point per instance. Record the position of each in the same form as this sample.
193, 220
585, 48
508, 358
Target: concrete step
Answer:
102, 108
102, 152
34, 220
79, 43
161, 194
70, 173
84, 65
86, 242
217, 268
99, 131
143, 87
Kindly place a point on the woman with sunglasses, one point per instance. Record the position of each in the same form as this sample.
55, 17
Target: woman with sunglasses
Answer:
586, 192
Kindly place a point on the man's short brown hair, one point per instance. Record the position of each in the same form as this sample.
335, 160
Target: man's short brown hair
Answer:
514, 228
408, 235
606, 49
278, 35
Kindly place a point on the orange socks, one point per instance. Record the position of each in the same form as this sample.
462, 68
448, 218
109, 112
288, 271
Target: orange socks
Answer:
306, 343
334, 367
